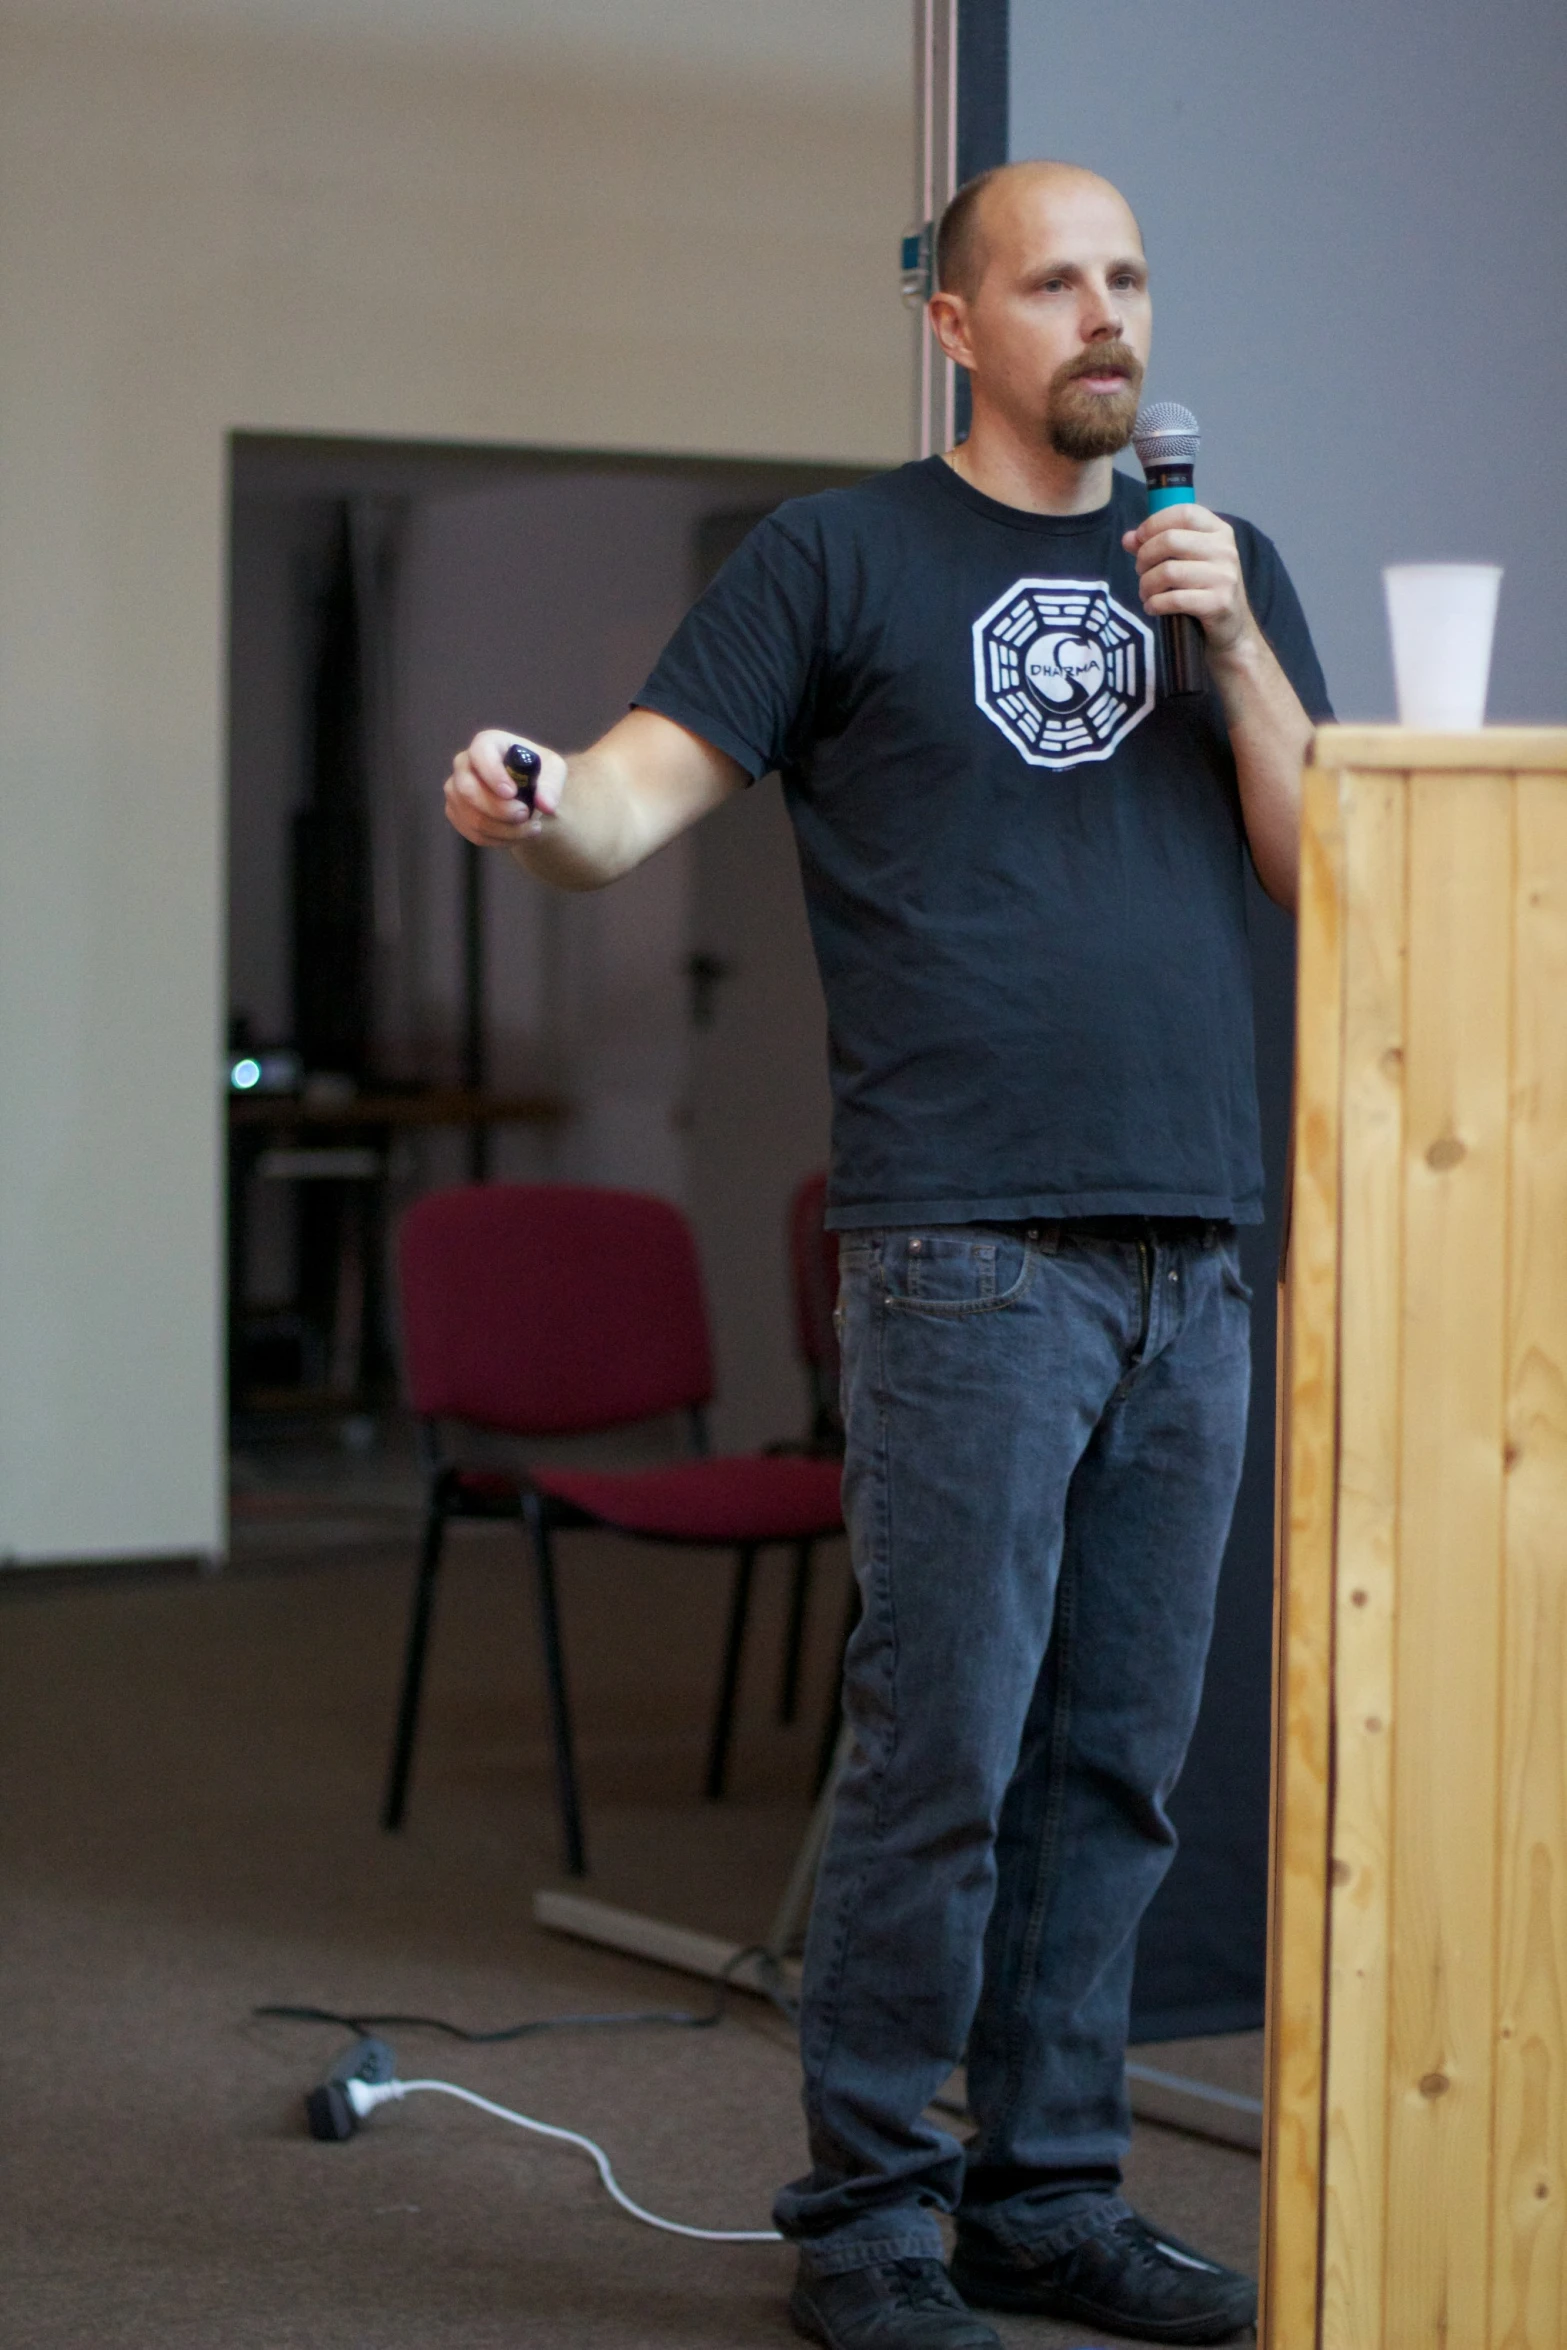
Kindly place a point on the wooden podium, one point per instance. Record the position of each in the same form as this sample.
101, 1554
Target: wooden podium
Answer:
1415, 2158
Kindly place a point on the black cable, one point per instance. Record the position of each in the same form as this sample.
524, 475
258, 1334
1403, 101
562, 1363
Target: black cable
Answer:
366, 2024
769, 1980
681, 2018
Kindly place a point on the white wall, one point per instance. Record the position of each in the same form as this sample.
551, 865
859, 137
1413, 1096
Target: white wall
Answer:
199, 234
1355, 216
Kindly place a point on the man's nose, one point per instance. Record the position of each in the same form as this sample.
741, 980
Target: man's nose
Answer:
1101, 320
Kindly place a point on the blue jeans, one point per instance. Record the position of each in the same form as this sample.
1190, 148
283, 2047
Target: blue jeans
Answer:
1044, 1443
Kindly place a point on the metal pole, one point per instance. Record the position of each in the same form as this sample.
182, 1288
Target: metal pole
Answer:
935, 178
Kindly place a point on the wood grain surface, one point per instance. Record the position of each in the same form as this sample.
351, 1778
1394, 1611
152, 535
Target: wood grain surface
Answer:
1416, 2134
1292, 2129
1449, 1590
1529, 2183
1492, 750
1371, 1268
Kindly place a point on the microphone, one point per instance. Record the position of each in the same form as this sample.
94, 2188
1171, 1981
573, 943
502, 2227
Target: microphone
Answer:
1166, 439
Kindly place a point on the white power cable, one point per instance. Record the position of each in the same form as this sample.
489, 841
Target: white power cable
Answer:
365, 2096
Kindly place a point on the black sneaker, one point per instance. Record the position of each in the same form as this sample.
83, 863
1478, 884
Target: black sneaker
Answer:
1131, 2278
901, 2305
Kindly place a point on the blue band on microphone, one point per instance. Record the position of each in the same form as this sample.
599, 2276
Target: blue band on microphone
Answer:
1175, 494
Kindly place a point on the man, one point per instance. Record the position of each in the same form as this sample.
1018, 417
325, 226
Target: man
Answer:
1024, 874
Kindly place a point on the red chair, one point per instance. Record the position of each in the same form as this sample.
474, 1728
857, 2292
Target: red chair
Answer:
556, 1309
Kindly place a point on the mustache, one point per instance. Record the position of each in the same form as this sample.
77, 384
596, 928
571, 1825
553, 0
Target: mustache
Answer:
1103, 359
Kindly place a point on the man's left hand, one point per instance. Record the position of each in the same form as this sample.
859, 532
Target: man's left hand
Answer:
1187, 561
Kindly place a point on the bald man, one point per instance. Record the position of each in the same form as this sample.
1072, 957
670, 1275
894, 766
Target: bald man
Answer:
1024, 872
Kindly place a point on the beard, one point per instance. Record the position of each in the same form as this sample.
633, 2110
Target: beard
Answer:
1081, 424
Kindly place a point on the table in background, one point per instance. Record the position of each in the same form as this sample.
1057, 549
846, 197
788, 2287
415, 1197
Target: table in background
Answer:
347, 1141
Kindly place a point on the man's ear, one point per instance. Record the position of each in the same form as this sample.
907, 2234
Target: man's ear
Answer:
948, 315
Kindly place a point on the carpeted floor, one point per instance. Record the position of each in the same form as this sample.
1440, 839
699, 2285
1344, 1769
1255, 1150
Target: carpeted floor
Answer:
191, 1768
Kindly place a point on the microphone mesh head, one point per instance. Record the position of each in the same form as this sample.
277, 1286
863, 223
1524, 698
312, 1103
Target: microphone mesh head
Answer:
1165, 434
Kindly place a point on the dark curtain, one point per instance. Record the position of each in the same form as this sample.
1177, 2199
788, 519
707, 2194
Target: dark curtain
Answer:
1203, 1954
332, 921
333, 944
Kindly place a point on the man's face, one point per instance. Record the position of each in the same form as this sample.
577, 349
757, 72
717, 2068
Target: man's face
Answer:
1057, 331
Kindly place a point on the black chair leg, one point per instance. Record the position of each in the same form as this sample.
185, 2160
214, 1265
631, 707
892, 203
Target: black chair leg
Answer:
734, 1645
555, 1676
794, 1637
396, 1800
834, 1725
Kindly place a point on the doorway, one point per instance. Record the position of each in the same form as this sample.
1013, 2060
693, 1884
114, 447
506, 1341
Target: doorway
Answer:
405, 1012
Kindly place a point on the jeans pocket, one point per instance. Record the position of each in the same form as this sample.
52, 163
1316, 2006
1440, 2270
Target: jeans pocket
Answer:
953, 1271
1234, 1279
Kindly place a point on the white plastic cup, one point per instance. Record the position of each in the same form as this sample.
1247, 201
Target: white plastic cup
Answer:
1442, 617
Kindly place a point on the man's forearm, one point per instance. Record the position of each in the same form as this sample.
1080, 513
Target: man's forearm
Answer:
1188, 561
592, 817
598, 832
1270, 734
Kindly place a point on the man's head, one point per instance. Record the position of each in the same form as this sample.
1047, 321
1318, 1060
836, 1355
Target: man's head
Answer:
1043, 297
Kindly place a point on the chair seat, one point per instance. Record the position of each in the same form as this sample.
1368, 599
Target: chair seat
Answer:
492, 1487
555, 1310
741, 1498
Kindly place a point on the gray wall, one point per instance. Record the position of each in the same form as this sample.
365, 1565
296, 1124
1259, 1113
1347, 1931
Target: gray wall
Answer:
1355, 216
760, 1110
1354, 219
541, 603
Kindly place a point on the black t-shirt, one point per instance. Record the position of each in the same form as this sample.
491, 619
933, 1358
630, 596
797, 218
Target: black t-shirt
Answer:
1024, 872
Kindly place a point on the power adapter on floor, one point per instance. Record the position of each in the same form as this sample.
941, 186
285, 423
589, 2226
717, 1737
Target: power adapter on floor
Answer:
329, 2109
365, 2077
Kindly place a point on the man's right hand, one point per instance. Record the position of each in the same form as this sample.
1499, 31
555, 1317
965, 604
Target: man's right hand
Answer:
613, 807
482, 798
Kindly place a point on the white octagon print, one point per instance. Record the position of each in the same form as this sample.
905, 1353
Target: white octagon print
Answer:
1063, 669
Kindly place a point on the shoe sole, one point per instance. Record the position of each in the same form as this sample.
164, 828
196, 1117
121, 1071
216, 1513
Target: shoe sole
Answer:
1187, 2333
804, 2321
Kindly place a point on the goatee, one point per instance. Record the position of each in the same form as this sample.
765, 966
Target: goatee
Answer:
1082, 425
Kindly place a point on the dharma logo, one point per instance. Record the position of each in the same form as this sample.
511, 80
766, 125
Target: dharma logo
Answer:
1063, 669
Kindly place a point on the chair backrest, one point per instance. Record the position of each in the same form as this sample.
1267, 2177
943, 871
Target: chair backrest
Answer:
813, 1271
551, 1308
